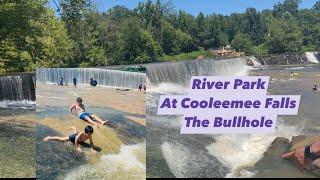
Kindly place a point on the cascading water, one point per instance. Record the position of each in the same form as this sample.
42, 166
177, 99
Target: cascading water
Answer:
170, 154
255, 61
17, 87
181, 72
17, 122
313, 57
104, 77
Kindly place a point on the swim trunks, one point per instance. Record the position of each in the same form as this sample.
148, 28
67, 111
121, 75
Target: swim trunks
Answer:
84, 114
72, 138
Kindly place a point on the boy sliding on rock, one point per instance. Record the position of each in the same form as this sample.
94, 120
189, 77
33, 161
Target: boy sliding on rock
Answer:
80, 109
77, 139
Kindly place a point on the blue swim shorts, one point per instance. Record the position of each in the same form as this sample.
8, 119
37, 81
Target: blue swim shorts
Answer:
84, 114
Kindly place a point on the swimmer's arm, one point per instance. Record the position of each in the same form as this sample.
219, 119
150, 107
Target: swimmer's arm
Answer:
71, 108
76, 142
91, 146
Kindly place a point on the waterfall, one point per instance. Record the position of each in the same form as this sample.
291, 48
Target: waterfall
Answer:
181, 72
179, 154
17, 87
313, 57
254, 61
104, 77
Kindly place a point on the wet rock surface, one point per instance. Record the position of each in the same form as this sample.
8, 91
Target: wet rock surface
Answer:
53, 157
272, 165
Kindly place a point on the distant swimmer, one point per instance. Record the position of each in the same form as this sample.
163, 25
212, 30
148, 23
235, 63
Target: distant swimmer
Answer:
74, 81
294, 74
259, 71
77, 138
315, 88
91, 80
61, 81
140, 86
80, 109
144, 87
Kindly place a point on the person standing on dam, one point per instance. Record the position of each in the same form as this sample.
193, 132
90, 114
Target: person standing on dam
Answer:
144, 87
91, 80
74, 81
61, 81
140, 86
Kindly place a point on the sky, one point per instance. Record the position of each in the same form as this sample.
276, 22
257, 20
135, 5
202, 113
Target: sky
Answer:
225, 7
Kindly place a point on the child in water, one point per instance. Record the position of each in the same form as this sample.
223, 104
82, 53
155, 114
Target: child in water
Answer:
315, 89
80, 109
77, 138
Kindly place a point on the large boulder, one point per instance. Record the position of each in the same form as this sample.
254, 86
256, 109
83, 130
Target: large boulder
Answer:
303, 141
275, 150
273, 166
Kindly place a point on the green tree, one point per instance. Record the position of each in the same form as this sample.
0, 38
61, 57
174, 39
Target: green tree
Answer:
136, 45
316, 6
223, 39
72, 14
49, 45
183, 42
253, 25
285, 36
169, 38
36, 38
242, 42
200, 20
290, 6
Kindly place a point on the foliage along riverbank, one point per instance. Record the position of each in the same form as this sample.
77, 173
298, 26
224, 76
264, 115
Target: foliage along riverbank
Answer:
78, 35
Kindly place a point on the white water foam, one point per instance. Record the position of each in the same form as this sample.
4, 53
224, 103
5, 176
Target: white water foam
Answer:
176, 155
25, 104
173, 88
128, 164
311, 56
293, 68
168, 88
255, 61
242, 151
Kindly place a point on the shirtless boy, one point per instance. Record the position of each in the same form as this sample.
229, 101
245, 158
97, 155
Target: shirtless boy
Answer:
80, 109
77, 138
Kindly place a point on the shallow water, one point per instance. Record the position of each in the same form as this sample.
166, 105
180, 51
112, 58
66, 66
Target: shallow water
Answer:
17, 142
121, 141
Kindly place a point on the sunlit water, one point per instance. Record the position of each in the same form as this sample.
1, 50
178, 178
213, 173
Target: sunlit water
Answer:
120, 145
17, 142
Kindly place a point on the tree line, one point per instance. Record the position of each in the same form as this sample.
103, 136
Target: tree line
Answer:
33, 35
